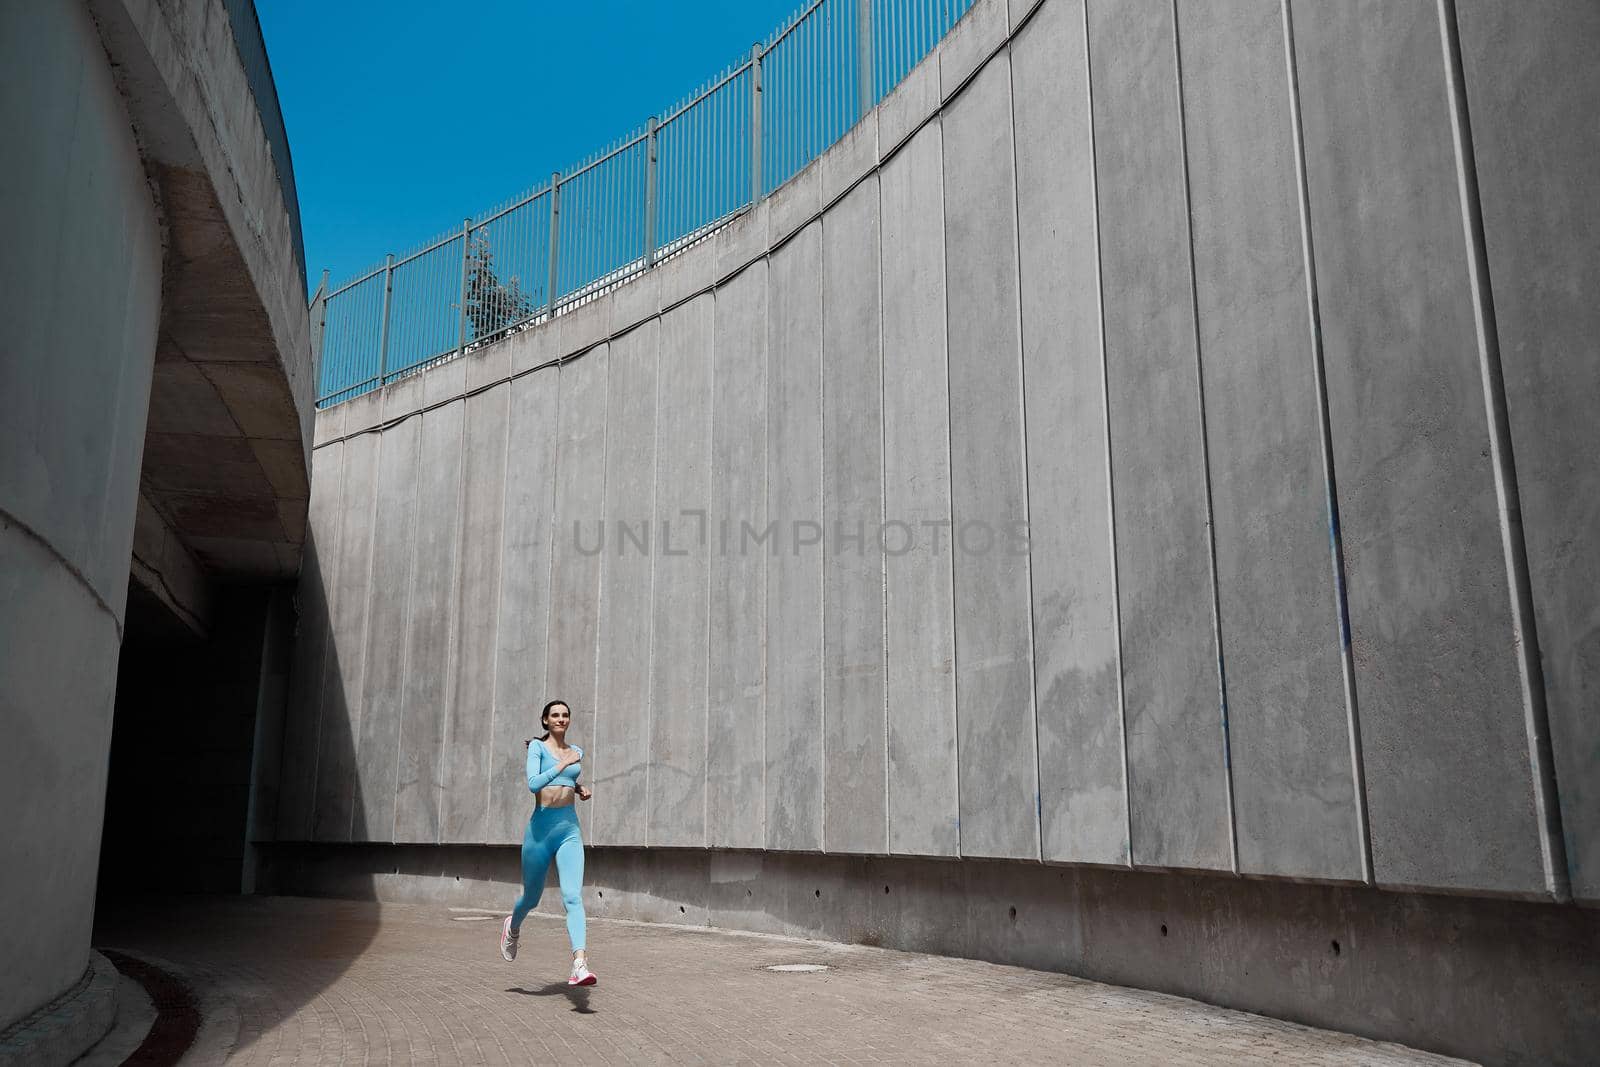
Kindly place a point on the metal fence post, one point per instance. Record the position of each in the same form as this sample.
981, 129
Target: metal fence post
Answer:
383, 333
864, 55
322, 329
755, 124
650, 193
555, 231
466, 247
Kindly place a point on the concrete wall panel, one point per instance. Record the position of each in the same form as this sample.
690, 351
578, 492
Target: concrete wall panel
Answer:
343, 675
909, 104
524, 601
532, 348
994, 656
430, 661
58, 728
736, 667
1442, 719
1531, 88
488, 365
584, 326
616, 766
1288, 724
851, 158
1088, 278
329, 426
688, 272
372, 815
743, 241
1082, 788
636, 300
1177, 778
794, 204
469, 726
314, 600
853, 770
970, 42
77, 207
82, 267
794, 574
679, 611
575, 567
365, 412
919, 595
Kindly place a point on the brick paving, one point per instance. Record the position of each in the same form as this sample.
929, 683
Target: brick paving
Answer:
296, 981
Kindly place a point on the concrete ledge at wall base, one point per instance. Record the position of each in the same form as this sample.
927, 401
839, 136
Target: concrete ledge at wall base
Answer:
63, 1029
1497, 981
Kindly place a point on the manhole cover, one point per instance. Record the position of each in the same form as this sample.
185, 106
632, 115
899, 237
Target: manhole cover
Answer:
797, 968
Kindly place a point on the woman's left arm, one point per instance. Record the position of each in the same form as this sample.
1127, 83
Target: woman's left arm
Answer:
582, 792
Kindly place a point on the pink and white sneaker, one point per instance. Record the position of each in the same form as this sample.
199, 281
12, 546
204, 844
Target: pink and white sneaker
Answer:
581, 975
508, 941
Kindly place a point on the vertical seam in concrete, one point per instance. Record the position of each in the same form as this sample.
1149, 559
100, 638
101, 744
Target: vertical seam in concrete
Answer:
441, 766
1535, 710
600, 577
405, 641
1325, 431
366, 630
950, 473
650, 642
944, 341
1205, 444
705, 544
331, 588
883, 516
550, 567
766, 517
1105, 401
549, 549
500, 583
1027, 511
822, 554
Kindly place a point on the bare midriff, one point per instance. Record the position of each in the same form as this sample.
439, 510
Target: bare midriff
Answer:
556, 796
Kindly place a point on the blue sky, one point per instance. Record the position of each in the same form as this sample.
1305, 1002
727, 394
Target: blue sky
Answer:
406, 116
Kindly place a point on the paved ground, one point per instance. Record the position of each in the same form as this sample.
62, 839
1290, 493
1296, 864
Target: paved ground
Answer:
295, 981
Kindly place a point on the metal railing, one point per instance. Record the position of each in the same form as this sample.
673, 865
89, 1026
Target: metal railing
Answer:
644, 198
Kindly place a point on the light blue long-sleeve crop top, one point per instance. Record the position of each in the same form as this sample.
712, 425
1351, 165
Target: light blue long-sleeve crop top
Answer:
542, 768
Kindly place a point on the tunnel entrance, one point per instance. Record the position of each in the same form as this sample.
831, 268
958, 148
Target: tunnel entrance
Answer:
195, 730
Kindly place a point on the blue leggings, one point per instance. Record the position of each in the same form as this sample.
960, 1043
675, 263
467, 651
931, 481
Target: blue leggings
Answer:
553, 832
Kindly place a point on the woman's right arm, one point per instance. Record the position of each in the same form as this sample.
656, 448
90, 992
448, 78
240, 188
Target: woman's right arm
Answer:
538, 779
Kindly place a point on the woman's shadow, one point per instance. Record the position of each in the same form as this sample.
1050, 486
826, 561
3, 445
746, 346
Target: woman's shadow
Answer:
578, 994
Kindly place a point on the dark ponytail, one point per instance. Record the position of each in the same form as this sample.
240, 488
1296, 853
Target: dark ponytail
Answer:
544, 715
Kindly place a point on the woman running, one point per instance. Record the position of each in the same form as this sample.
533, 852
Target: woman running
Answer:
553, 769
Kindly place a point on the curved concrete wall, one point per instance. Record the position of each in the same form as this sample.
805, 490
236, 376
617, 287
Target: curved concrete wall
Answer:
234, 366
154, 400
1113, 318
82, 274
